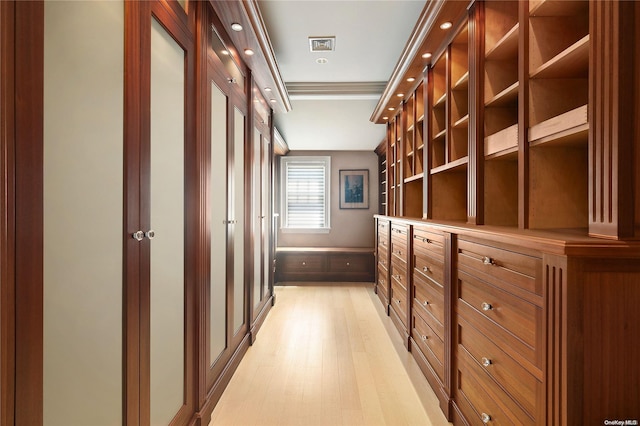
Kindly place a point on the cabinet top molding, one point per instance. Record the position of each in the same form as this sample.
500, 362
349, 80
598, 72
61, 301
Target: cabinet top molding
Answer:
425, 37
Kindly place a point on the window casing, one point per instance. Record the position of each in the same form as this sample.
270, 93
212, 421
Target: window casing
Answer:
305, 193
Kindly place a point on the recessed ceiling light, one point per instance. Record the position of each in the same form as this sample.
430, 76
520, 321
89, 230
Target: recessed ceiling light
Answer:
385, 118
225, 52
411, 79
400, 95
236, 27
322, 60
426, 55
392, 109
273, 101
248, 52
267, 89
446, 25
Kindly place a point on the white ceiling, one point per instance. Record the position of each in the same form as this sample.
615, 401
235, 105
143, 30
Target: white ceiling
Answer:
370, 35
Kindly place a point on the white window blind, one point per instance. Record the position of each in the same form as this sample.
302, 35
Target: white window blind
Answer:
306, 183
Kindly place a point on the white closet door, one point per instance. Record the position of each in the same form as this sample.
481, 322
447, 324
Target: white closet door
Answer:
83, 212
167, 221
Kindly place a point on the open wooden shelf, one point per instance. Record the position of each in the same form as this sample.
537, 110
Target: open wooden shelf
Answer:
506, 47
457, 165
414, 177
508, 96
462, 122
570, 63
462, 83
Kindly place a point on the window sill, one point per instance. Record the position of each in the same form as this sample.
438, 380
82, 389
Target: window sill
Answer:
305, 230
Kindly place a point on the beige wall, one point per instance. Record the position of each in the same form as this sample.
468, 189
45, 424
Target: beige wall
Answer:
351, 227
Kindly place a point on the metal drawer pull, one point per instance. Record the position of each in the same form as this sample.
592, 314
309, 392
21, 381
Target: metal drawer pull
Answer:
424, 338
399, 252
397, 277
486, 362
304, 263
348, 264
138, 235
488, 261
486, 306
150, 234
426, 269
485, 418
425, 303
397, 301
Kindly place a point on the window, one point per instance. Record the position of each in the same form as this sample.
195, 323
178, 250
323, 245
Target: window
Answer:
305, 189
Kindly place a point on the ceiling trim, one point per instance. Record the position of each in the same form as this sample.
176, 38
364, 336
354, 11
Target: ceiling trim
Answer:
412, 48
257, 23
336, 90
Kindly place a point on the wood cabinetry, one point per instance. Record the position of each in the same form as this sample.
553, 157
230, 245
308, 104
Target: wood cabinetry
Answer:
324, 264
383, 261
512, 327
527, 124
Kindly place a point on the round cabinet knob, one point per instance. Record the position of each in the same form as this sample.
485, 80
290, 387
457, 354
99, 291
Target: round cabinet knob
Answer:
485, 418
486, 306
138, 235
348, 264
150, 234
486, 362
304, 263
424, 338
425, 303
426, 269
488, 261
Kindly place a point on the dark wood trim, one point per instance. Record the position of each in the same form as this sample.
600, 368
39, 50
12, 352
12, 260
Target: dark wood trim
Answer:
612, 101
475, 171
523, 116
132, 138
260, 316
29, 87
7, 212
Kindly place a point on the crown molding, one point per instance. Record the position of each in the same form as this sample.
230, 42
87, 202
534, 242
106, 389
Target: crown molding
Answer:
335, 90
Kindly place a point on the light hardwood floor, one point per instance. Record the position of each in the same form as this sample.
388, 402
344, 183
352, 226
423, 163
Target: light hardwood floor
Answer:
328, 355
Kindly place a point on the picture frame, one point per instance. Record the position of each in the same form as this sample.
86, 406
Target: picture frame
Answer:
354, 189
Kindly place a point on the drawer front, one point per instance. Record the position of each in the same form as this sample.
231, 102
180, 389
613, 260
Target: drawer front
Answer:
430, 344
383, 283
383, 227
500, 266
512, 321
383, 257
302, 262
481, 400
351, 262
428, 243
399, 301
383, 241
398, 273
429, 268
429, 304
513, 377
399, 249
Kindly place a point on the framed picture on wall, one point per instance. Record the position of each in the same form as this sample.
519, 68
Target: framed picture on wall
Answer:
354, 189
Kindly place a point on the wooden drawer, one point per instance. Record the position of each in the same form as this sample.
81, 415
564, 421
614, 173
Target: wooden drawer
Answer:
510, 375
429, 303
383, 241
383, 284
399, 250
303, 262
513, 323
383, 228
430, 344
428, 243
399, 241
481, 400
428, 268
350, 262
511, 270
399, 301
383, 257
398, 273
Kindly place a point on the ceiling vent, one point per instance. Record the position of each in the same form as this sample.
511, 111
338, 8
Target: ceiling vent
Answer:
322, 44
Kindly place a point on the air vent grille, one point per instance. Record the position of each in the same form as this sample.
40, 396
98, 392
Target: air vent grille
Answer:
322, 44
